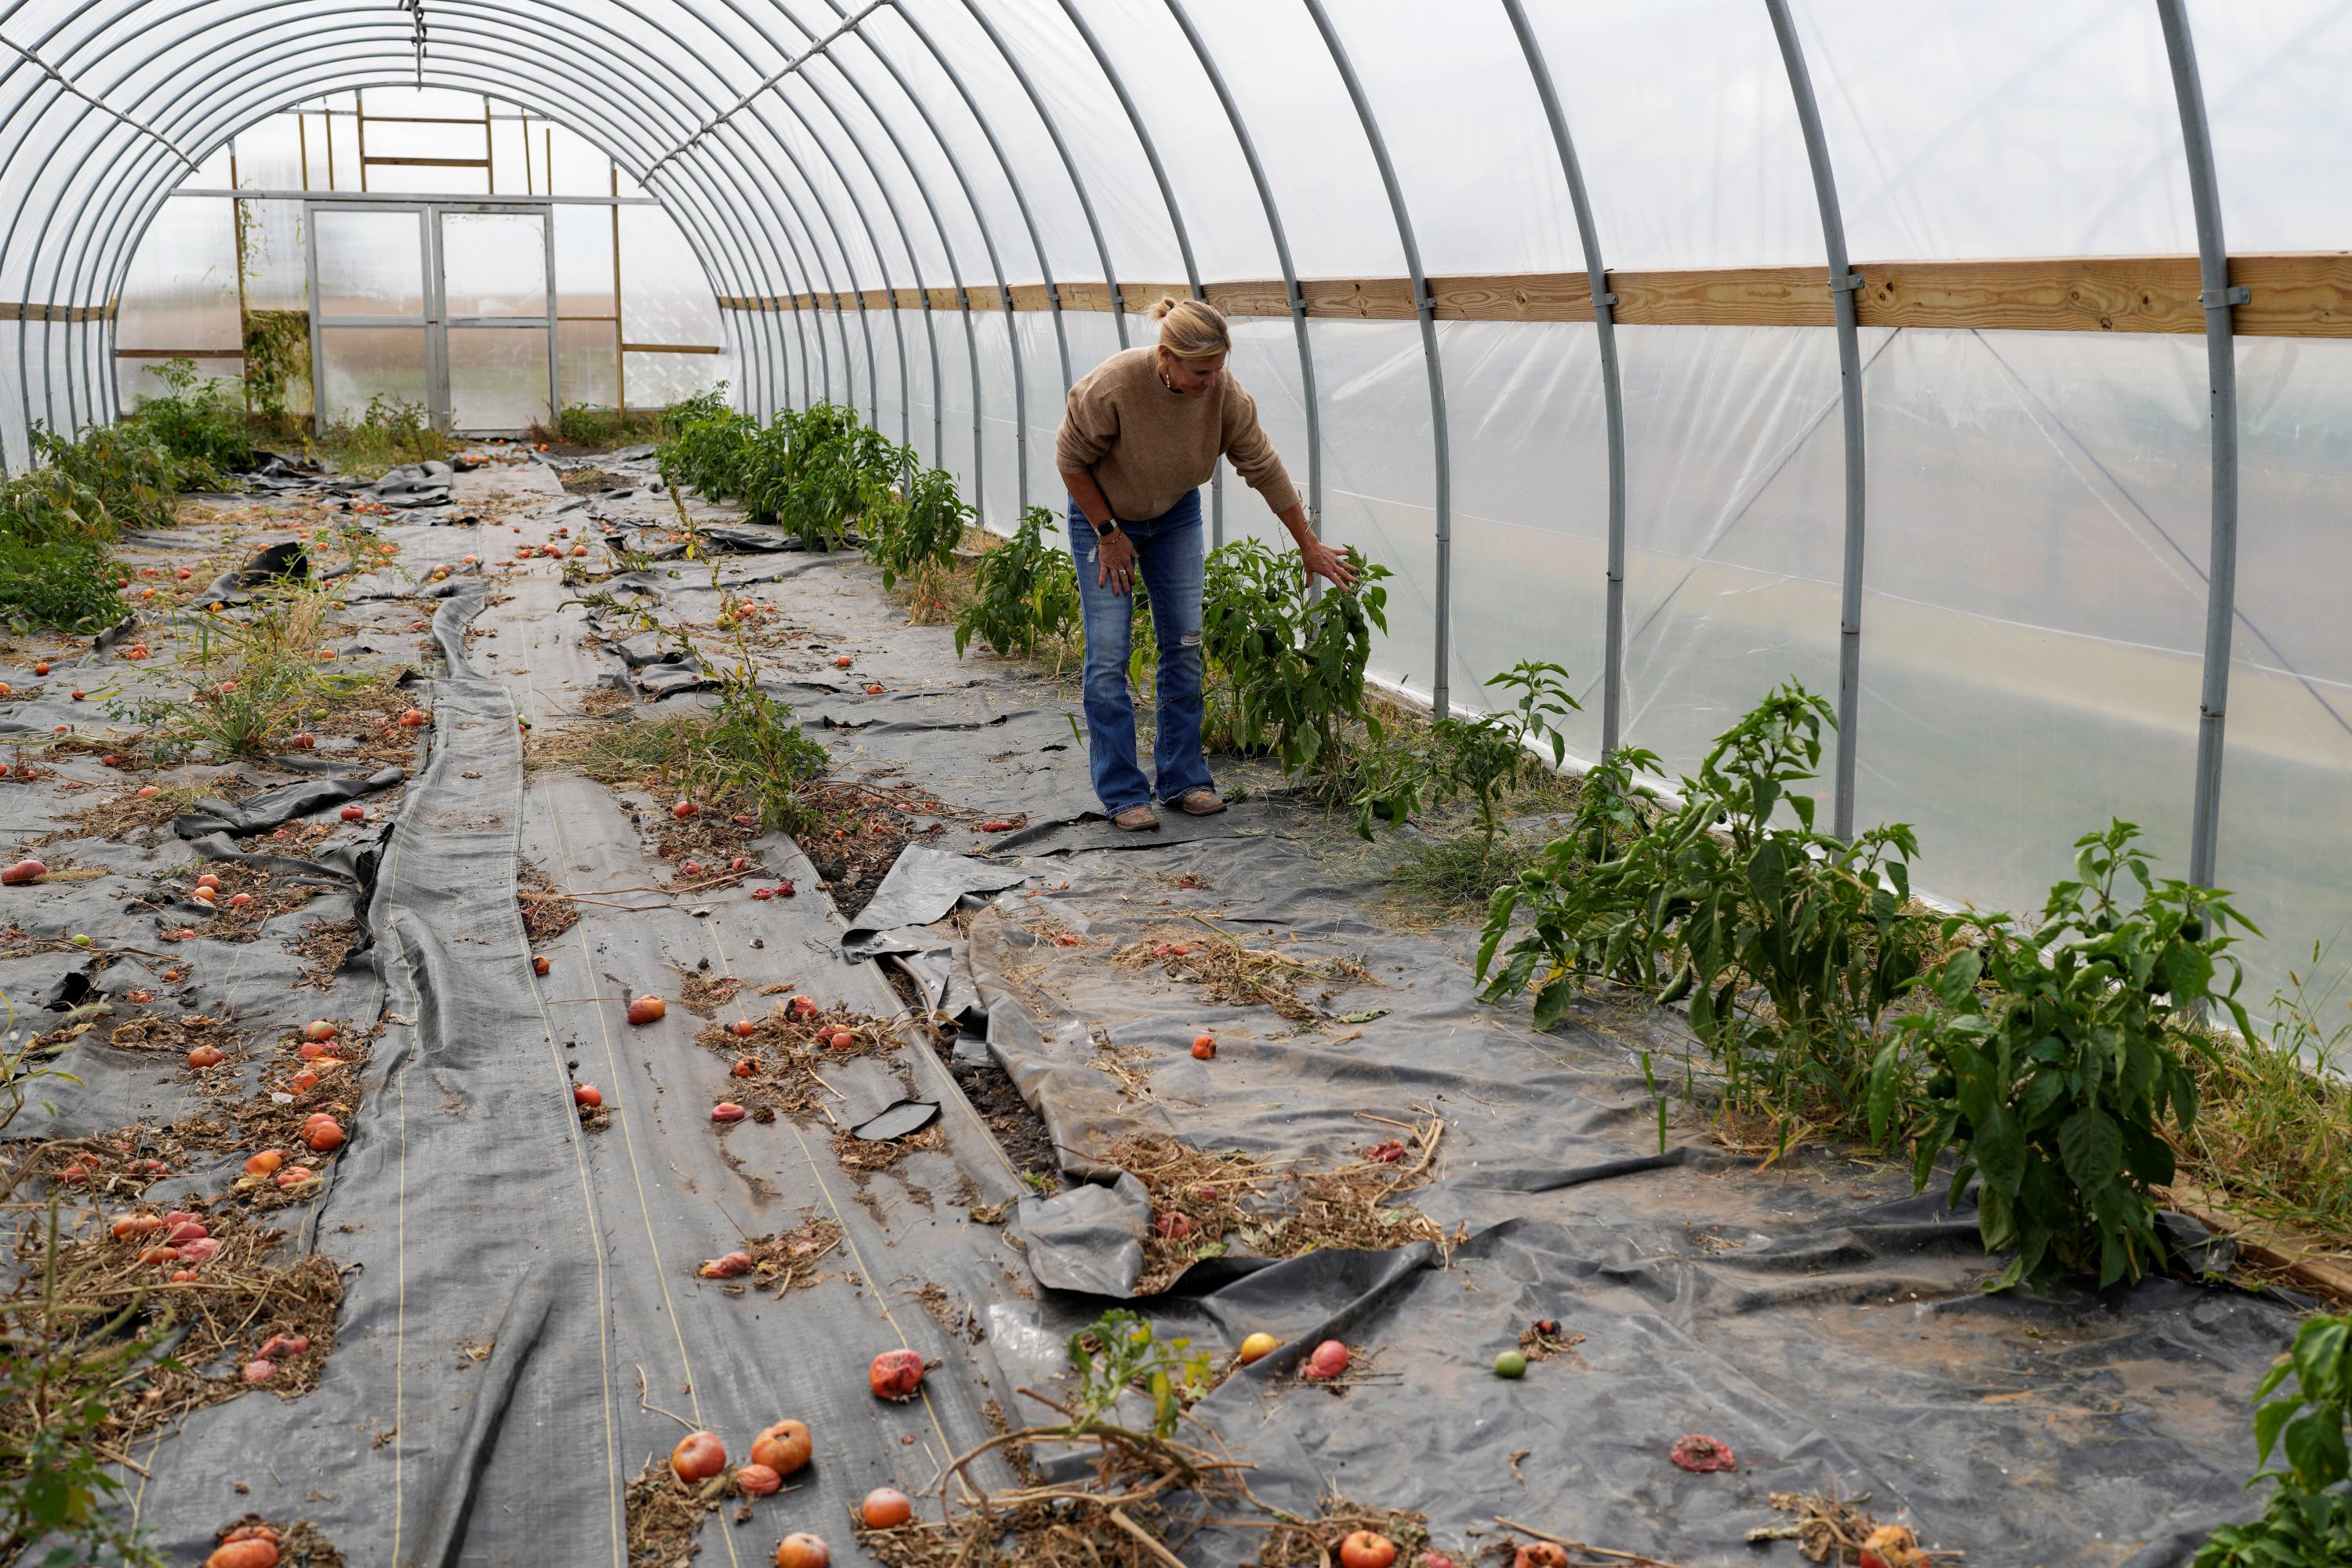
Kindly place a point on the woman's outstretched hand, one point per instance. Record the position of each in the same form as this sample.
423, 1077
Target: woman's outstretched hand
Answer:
1321, 561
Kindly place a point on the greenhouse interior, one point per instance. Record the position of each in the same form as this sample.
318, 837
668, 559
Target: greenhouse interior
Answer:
1742, 840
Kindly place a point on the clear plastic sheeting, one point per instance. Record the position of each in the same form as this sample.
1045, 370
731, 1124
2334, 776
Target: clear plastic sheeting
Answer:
2037, 504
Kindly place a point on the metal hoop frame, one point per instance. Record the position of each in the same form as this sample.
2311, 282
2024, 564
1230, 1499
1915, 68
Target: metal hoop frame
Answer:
119, 107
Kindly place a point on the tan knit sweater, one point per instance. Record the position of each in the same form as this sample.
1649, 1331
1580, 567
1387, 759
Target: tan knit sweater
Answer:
1148, 445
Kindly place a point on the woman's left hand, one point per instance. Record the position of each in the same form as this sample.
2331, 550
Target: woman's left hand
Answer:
1321, 561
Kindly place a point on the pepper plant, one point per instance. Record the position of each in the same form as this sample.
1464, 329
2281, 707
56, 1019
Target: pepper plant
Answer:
1594, 902
1286, 667
1788, 942
1025, 588
2308, 1521
2052, 1061
1481, 757
922, 534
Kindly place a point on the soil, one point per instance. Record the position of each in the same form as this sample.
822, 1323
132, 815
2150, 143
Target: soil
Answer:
863, 830
1020, 1132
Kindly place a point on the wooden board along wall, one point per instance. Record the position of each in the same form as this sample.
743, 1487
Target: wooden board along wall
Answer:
2294, 295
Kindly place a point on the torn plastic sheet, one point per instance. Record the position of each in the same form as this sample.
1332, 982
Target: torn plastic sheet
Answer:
924, 884
1090, 1238
900, 1119
281, 803
1819, 1316
515, 1271
413, 484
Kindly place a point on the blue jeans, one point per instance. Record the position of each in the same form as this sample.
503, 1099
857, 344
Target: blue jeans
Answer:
1168, 559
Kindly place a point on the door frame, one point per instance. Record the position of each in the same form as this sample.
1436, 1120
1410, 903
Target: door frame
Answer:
435, 320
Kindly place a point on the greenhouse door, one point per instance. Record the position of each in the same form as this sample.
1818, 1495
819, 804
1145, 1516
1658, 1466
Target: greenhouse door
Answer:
449, 306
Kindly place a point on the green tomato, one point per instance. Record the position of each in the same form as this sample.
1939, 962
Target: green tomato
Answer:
81, 940
1510, 1364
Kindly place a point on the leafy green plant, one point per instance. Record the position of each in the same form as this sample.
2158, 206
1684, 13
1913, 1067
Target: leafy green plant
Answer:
68, 1354
1026, 589
125, 469
277, 363
390, 431
1789, 944
839, 472
1481, 758
2308, 1520
197, 422
2054, 1056
1119, 1351
923, 534
58, 519
1286, 667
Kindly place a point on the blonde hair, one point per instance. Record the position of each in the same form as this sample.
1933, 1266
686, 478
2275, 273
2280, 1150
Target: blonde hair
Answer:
1191, 329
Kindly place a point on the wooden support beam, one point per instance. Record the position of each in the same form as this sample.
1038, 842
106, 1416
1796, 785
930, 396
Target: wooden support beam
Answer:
17, 310
2299, 295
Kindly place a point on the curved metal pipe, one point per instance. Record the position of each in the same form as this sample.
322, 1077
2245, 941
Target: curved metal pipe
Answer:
1612, 391
905, 398
1028, 221
947, 248
1282, 254
94, 35
693, 207
716, 252
685, 91
1003, 290
1150, 156
1426, 308
2218, 298
906, 240
690, 213
963, 295
1845, 284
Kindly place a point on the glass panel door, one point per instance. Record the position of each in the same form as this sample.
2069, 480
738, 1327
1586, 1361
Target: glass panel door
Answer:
449, 307
498, 315
371, 336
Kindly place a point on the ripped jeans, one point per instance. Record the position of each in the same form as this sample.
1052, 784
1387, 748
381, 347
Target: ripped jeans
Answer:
1167, 560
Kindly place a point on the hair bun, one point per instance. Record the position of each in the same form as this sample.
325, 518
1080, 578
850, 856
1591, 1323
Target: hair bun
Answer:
1191, 329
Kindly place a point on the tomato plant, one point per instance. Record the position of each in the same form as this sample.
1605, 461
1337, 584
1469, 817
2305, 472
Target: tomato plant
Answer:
702, 445
1120, 1351
2052, 1061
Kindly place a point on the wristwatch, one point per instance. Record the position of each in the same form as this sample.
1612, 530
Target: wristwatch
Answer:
1106, 527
